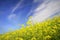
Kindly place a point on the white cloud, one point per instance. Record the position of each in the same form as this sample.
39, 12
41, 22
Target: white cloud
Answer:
12, 16
36, 1
45, 10
17, 5
32, 8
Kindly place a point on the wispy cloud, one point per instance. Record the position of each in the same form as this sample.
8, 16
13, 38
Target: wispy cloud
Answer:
45, 10
35, 1
33, 7
17, 5
31, 11
12, 16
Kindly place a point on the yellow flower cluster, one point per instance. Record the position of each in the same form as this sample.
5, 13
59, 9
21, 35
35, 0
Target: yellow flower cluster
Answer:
46, 30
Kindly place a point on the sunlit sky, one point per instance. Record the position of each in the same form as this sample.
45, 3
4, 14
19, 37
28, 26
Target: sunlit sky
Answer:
13, 13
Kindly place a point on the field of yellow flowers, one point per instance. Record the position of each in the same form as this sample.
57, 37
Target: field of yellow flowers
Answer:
46, 30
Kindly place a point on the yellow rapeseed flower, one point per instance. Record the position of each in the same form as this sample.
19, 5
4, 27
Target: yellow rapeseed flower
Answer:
13, 32
33, 38
7, 37
48, 37
55, 27
19, 38
46, 31
30, 17
54, 31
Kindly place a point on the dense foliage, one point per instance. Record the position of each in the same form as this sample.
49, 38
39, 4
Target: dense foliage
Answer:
47, 30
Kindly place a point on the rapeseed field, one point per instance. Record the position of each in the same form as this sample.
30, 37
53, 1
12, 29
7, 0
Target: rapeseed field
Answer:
46, 30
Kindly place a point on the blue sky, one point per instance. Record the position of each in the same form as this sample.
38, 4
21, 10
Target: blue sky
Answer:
15, 12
